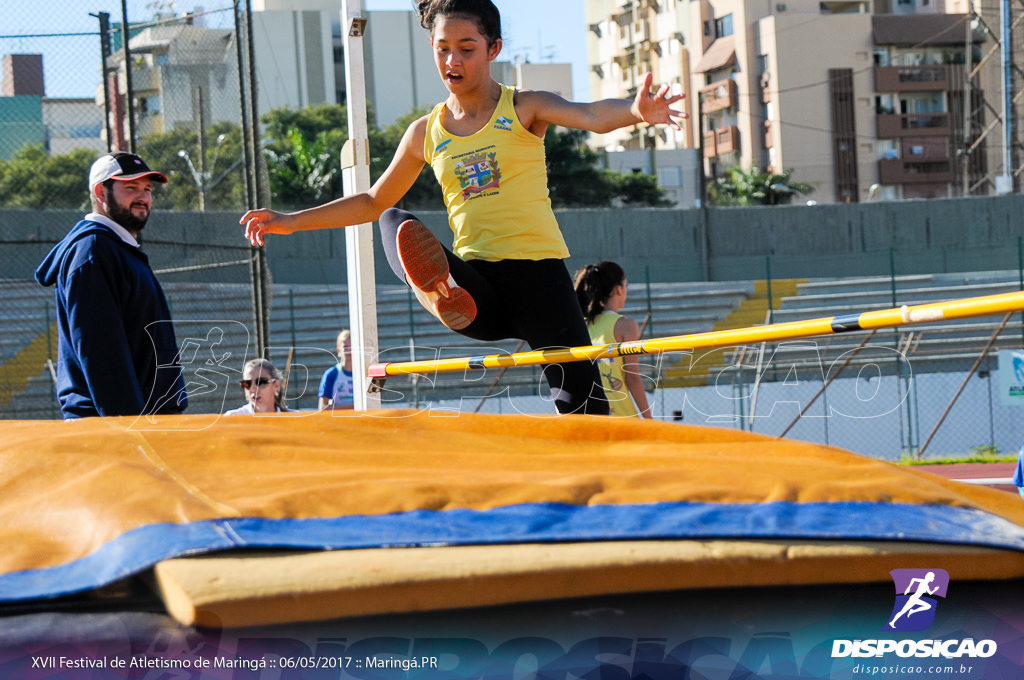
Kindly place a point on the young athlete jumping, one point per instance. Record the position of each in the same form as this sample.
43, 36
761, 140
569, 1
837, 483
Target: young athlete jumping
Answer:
507, 277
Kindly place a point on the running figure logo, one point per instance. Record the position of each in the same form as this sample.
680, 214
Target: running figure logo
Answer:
916, 590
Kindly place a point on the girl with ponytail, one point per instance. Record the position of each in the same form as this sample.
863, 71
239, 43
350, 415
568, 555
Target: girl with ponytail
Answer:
601, 290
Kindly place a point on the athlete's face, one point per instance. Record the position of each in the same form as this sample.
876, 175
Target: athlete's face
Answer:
617, 298
128, 203
344, 348
461, 53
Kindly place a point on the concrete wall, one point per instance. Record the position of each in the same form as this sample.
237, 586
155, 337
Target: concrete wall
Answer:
295, 53
731, 244
202, 247
397, 49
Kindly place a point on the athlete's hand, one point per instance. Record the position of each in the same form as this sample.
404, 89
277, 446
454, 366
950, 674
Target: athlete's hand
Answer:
656, 108
262, 221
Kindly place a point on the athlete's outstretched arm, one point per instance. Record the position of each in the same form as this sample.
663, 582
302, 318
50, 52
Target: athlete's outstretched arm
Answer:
358, 208
537, 109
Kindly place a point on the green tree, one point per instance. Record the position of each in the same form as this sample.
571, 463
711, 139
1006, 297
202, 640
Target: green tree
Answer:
305, 174
306, 141
35, 180
755, 187
330, 119
425, 193
573, 177
574, 180
636, 188
224, 181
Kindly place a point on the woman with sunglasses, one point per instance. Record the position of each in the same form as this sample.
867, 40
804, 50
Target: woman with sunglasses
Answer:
262, 385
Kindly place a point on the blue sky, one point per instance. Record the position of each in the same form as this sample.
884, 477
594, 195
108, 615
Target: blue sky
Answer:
553, 29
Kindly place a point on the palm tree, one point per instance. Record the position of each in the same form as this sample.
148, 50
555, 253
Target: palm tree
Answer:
754, 187
304, 174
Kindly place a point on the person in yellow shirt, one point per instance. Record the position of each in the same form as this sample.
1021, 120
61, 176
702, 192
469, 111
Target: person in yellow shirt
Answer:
601, 289
485, 143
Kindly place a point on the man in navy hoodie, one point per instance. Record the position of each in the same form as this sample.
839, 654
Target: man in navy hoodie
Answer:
116, 352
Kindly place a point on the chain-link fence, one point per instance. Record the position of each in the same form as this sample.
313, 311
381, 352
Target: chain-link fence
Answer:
183, 95
179, 92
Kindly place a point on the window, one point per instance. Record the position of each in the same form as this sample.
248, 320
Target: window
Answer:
723, 26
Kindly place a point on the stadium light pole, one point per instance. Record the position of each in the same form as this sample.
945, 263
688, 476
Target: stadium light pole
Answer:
202, 177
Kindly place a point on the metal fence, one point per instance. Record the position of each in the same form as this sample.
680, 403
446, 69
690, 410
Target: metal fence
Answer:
183, 96
180, 93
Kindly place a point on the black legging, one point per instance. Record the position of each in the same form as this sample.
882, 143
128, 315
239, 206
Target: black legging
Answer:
532, 300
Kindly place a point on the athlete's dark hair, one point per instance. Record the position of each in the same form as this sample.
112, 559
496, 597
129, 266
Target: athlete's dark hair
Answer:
594, 285
483, 12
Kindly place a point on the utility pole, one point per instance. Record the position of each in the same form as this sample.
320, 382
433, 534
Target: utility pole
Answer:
104, 19
130, 92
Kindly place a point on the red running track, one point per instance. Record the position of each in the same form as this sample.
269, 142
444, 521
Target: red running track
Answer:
964, 471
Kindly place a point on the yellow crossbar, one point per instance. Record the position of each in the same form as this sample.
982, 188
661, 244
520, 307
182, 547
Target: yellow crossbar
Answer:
888, 318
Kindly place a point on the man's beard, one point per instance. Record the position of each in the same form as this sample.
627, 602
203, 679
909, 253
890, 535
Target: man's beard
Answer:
123, 215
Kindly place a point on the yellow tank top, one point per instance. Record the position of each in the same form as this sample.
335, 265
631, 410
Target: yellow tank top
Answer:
495, 187
602, 332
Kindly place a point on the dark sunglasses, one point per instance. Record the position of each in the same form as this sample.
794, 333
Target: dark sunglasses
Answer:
260, 382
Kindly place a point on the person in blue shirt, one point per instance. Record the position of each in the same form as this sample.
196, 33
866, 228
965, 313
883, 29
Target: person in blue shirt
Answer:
336, 386
1018, 474
116, 350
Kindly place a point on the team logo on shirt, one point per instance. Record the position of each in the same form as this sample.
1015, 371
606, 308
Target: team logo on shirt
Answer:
478, 173
503, 123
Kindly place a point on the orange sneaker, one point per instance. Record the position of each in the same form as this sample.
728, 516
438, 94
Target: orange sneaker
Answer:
426, 269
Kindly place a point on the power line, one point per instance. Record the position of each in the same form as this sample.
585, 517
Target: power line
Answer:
47, 35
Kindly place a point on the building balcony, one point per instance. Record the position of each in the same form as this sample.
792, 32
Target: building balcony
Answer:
900, 171
894, 125
718, 96
721, 141
710, 146
145, 81
931, 78
728, 140
924, 149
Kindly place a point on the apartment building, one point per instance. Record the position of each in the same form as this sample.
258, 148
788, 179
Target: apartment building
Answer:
28, 116
863, 101
626, 39
182, 75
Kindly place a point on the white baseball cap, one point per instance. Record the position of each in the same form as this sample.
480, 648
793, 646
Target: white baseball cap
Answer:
122, 166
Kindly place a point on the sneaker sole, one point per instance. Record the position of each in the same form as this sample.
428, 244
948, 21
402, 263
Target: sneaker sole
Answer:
422, 257
426, 269
458, 310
